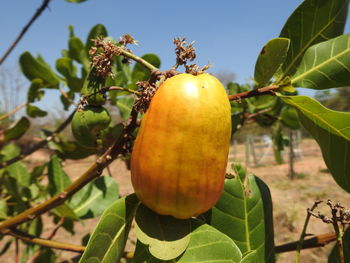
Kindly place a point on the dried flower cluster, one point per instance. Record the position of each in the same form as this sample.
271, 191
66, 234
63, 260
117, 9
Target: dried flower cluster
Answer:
339, 214
194, 69
184, 51
101, 56
127, 39
147, 92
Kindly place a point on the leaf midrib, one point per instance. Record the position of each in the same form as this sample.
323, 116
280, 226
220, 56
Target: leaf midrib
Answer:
309, 43
320, 119
334, 58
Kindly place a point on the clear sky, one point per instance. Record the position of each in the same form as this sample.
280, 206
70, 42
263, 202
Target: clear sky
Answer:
228, 33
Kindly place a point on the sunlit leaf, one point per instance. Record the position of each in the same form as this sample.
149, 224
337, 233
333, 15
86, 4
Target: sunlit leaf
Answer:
312, 22
18, 129
107, 242
270, 59
94, 198
331, 130
240, 214
33, 68
166, 236
325, 65
58, 179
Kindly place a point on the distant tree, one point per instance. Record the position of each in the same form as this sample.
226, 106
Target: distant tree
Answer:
225, 77
339, 100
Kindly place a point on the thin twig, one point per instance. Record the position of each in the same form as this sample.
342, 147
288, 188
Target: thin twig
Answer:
44, 242
39, 145
16, 250
268, 90
313, 242
8, 114
303, 233
38, 12
93, 172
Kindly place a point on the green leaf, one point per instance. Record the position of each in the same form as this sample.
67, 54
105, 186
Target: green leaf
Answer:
270, 59
9, 151
76, 46
65, 211
34, 68
19, 171
34, 92
325, 65
312, 22
17, 130
240, 214
95, 197
250, 257
65, 67
34, 111
58, 179
107, 242
140, 73
206, 245
3, 209
71, 150
124, 105
166, 236
334, 255
98, 31
278, 142
289, 117
331, 130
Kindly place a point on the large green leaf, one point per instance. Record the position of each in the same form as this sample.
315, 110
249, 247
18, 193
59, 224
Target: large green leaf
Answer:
206, 245
325, 65
20, 172
34, 68
166, 236
98, 31
312, 22
124, 105
34, 111
331, 130
95, 197
240, 214
334, 255
58, 179
270, 59
141, 73
18, 129
107, 242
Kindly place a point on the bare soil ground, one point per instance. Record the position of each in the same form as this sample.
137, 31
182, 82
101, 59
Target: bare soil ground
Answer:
290, 198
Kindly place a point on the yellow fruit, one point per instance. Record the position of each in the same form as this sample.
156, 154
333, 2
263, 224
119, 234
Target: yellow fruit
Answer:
179, 159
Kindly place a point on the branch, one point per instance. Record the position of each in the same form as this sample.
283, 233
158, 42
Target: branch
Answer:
45, 242
8, 114
313, 242
39, 145
25, 29
137, 59
93, 172
268, 90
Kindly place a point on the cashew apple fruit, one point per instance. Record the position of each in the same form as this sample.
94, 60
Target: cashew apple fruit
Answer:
179, 159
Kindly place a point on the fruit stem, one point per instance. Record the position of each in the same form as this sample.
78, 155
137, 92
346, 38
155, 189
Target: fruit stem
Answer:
268, 90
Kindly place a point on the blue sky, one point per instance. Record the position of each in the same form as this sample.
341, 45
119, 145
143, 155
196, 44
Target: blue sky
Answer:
229, 34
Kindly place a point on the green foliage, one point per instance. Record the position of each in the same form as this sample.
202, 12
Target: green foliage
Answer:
325, 65
331, 131
240, 215
107, 242
17, 130
270, 59
334, 255
312, 22
165, 236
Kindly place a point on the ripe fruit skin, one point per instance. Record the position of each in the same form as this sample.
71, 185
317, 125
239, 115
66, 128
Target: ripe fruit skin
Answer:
179, 159
88, 123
